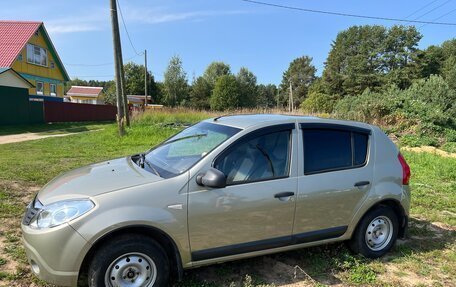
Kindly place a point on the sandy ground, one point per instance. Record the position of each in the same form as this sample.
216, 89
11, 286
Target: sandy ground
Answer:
35, 136
430, 149
27, 137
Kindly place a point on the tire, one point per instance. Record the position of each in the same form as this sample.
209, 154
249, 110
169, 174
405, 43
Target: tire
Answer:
376, 233
129, 257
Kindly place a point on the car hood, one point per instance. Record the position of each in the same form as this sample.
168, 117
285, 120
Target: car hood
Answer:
95, 179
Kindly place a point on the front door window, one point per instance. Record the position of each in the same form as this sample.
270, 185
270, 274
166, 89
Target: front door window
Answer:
261, 158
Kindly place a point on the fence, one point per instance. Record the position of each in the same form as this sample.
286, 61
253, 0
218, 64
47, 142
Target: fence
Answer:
72, 112
16, 108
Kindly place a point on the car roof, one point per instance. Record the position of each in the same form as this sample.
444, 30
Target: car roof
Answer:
244, 121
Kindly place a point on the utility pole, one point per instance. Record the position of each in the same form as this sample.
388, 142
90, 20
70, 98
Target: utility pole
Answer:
278, 96
145, 79
117, 63
290, 99
124, 92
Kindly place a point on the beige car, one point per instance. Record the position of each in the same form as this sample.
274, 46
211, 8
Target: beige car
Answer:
226, 188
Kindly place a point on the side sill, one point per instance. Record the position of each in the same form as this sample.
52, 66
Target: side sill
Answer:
260, 245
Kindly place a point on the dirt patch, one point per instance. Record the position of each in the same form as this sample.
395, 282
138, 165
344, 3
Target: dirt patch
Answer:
35, 136
430, 149
27, 137
395, 274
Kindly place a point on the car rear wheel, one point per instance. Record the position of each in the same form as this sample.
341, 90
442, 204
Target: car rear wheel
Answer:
129, 260
376, 233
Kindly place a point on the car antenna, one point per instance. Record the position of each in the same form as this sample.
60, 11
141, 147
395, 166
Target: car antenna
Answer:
219, 117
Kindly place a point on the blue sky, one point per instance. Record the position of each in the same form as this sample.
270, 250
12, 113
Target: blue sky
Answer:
264, 39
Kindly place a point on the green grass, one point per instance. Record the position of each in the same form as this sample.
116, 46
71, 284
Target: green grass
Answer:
429, 255
433, 186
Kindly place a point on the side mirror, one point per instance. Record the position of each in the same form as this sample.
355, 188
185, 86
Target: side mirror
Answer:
212, 178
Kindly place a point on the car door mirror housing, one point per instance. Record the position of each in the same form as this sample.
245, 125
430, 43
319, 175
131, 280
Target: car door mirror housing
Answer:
212, 178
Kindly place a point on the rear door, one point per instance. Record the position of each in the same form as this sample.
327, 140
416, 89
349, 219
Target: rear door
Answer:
336, 171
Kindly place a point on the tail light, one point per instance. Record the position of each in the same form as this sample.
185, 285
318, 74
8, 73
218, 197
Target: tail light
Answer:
405, 170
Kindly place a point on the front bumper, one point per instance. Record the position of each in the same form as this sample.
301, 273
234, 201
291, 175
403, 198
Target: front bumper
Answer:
55, 254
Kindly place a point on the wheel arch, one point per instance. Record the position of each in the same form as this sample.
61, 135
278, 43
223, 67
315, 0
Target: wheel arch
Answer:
398, 209
154, 233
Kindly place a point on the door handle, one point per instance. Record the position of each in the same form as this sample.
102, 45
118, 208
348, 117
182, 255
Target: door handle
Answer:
362, 183
283, 194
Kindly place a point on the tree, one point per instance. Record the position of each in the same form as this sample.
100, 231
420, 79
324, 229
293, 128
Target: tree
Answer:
175, 83
267, 96
399, 55
354, 60
248, 87
226, 94
214, 71
368, 57
200, 94
109, 94
134, 78
430, 61
301, 74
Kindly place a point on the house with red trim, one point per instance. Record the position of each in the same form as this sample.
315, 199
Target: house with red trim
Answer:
86, 95
27, 49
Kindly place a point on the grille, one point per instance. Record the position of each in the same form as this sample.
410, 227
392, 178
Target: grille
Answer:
31, 211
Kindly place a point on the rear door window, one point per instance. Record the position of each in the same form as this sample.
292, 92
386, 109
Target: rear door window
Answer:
331, 149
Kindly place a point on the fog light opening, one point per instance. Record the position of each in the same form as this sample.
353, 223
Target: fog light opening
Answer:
35, 267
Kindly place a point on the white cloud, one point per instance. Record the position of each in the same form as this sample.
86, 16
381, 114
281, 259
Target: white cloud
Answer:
157, 16
96, 20
71, 28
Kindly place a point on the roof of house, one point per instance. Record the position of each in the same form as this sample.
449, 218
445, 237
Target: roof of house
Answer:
84, 91
24, 81
14, 35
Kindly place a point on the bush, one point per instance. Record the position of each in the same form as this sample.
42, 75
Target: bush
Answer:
318, 103
417, 141
369, 106
426, 109
449, 147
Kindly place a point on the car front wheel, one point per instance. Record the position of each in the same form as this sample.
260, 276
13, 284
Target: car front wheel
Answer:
376, 233
129, 260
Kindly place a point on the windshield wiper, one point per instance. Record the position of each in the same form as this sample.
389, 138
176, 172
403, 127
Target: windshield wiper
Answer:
142, 160
184, 138
151, 167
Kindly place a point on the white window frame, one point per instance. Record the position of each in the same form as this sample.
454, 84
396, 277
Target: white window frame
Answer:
55, 89
35, 59
42, 86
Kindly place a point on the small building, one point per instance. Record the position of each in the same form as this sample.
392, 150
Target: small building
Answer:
86, 95
27, 49
17, 107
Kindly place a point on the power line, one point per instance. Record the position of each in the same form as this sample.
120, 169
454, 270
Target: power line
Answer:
421, 9
93, 76
348, 15
432, 10
99, 65
440, 17
126, 30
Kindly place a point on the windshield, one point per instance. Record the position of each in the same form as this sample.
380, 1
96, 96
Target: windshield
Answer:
182, 151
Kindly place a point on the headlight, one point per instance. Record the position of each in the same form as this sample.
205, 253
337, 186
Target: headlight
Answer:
60, 212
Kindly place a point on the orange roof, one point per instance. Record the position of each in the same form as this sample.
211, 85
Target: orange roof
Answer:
13, 37
85, 91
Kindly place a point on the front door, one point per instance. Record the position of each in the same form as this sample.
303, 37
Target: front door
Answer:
255, 210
